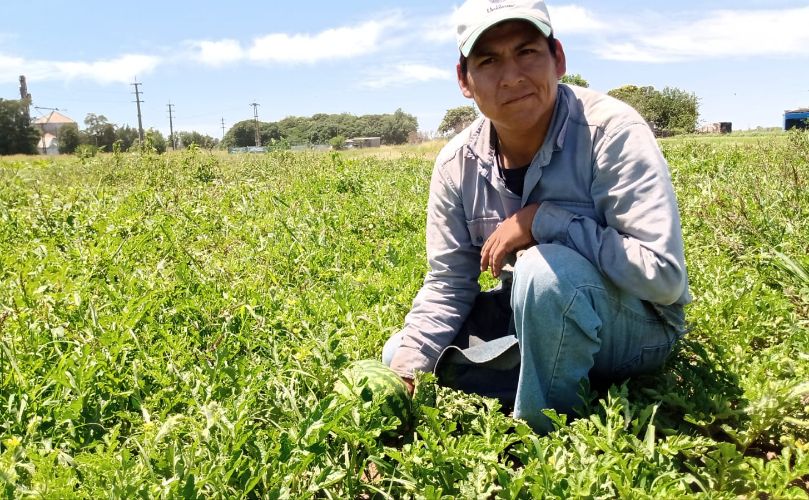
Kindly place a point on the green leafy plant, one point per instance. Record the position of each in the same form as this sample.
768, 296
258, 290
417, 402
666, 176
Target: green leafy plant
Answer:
173, 325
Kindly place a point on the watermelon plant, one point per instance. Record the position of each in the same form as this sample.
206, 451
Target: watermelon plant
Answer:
182, 325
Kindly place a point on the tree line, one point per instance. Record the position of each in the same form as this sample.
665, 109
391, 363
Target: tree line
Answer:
101, 135
19, 136
321, 128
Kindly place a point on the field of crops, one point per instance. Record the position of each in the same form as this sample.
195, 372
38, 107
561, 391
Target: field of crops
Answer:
174, 326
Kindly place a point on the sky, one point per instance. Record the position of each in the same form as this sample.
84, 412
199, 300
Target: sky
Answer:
747, 61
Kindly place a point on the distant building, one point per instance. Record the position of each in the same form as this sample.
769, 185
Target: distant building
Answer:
49, 129
716, 128
363, 142
796, 118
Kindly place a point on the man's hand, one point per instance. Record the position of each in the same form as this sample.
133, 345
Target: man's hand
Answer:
511, 235
409, 383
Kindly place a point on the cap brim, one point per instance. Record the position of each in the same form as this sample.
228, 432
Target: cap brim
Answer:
466, 47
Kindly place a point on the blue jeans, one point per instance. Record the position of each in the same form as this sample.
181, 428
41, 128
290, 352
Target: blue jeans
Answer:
572, 323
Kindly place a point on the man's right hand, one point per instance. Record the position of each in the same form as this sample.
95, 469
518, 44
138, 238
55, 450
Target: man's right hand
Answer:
409, 383
511, 235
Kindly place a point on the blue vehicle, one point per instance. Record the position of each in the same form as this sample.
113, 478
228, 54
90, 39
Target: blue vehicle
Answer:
797, 118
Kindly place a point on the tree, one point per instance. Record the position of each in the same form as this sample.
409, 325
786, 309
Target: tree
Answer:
672, 110
201, 140
127, 137
69, 139
643, 99
575, 79
679, 110
320, 128
17, 136
100, 130
398, 127
243, 134
457, 119
154, 139
337, 142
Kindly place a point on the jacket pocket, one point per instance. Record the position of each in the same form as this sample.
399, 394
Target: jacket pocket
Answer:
480, 229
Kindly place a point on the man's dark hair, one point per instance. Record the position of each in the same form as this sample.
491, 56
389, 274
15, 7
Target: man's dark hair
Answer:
464, 62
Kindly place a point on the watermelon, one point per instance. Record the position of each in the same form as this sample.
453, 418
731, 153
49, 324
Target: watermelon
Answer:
371, 380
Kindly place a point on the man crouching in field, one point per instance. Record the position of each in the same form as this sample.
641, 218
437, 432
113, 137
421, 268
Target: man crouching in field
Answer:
573, 179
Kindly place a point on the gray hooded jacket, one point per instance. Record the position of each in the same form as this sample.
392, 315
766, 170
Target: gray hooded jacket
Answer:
603, 189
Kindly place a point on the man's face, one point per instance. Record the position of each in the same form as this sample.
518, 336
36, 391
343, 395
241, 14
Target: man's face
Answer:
513, 77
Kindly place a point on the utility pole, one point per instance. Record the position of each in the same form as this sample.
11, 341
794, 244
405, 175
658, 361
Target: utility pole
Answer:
255, 119
223, 128
171, 128
137, 100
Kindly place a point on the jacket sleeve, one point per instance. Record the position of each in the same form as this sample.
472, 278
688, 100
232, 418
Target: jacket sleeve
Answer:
640, 246
450, 287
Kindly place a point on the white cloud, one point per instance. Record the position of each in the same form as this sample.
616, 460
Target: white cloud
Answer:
121, 69
217, 53
439, 29
406, 74
337, 43
719, 34
572, 19
10, 68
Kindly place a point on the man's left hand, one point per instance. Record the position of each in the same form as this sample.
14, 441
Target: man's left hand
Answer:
511, 235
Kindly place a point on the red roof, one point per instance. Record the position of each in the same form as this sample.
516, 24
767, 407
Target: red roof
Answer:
53, 117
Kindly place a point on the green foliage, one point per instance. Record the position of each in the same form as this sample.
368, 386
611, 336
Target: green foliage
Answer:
69, 139
574, 79
393, 128
85, 151
100, 132
186, 139
17, 136
127, 137
671, 110
457, 119
174, 326
337, 142
153, 140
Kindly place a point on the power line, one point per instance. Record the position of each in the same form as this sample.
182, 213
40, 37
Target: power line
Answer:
223, 128
171, 128
255, 118
137, 100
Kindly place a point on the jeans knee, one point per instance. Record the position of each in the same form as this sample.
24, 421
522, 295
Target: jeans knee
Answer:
553, 268
534, 271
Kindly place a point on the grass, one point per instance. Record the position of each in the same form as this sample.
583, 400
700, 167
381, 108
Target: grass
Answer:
426, 150
740, 137
173, 326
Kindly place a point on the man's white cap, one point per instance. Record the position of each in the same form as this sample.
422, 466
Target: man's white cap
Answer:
476, 16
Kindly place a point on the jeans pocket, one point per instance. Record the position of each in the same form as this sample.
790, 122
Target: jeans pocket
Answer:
648, 360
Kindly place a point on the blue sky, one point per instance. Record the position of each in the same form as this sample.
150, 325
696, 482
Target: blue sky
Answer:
747, 61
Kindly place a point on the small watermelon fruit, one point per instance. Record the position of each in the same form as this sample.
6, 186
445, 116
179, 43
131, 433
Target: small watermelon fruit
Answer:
371, 380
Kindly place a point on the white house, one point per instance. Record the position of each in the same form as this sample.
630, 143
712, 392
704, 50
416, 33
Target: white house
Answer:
49, 129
